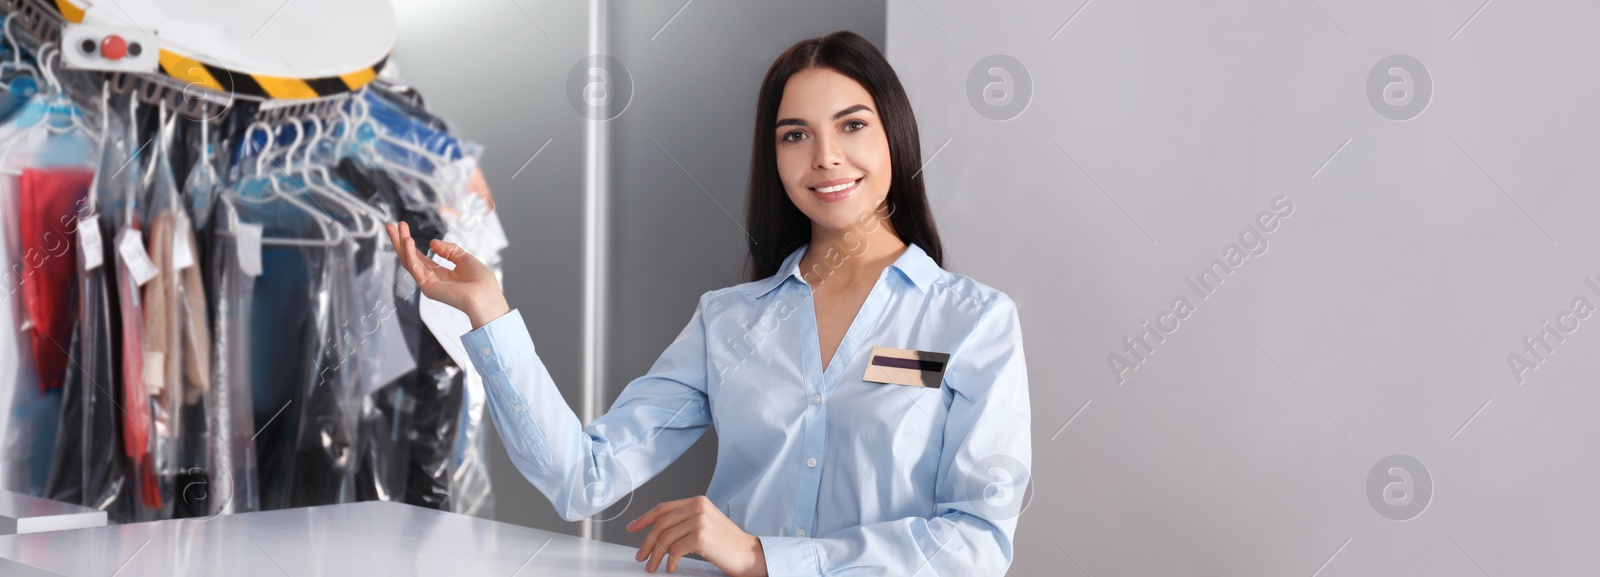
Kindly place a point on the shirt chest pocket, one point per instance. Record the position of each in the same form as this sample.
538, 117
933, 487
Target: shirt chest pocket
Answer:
909, 418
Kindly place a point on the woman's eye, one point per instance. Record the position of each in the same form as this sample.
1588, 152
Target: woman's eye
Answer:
794, 136
854, 125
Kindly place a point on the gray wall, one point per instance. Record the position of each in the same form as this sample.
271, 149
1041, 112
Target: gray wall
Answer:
1376, 324
1368, 341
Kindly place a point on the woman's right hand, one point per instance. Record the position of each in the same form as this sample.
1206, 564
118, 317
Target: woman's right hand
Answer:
470, 287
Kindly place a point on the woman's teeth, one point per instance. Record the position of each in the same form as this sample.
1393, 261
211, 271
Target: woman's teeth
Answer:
836, 188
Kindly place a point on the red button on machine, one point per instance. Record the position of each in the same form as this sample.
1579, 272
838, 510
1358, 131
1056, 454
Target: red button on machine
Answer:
114, 47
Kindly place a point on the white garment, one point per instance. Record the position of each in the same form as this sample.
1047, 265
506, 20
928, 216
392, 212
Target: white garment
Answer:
19, 380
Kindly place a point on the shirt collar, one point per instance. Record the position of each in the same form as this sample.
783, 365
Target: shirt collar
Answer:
914, 264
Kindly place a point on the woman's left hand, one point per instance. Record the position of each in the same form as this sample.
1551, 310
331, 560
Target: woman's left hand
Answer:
694, 525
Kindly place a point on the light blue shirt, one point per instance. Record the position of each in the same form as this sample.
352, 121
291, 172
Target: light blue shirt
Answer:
836, 474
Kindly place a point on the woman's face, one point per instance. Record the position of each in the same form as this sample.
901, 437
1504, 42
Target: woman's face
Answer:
833, 155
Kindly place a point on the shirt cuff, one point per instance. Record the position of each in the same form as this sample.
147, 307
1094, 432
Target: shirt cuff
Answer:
790, 556
499, 344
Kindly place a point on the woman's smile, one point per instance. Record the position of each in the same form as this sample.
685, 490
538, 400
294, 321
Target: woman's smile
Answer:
837, 189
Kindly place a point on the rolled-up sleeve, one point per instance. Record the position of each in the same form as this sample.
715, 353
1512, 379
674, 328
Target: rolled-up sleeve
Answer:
582, 470
984, 472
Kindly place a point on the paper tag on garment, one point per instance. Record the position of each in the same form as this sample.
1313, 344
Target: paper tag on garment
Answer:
182, 253
446, 323
247, 242
892, 366
94, 250
131, 248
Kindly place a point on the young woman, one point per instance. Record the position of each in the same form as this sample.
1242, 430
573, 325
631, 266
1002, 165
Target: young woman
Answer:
871, 407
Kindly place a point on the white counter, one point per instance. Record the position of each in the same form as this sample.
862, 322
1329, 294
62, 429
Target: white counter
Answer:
358, 539
21, 513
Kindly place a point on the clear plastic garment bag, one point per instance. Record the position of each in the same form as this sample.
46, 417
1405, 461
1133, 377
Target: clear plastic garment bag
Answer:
224, 326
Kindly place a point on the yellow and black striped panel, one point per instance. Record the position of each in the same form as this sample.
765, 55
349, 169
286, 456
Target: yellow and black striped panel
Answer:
214, 77
191, 71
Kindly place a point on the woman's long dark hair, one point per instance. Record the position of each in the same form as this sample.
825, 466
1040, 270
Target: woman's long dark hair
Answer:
776, 225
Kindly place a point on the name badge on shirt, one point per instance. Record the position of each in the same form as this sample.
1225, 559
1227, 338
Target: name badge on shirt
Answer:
906, 367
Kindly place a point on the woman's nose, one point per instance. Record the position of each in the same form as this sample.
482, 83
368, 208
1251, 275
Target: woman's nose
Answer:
827, 153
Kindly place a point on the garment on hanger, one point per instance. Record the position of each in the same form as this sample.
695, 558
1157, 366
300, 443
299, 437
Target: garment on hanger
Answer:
138, 428
88, 465
300, 381
249, 332
50, 200
434, 392
39, 192
231, 457
22, 404
456, 192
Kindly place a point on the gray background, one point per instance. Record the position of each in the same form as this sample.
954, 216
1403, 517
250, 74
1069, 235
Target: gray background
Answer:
1420, 252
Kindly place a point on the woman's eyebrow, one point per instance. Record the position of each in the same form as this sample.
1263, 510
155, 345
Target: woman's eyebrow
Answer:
782, 122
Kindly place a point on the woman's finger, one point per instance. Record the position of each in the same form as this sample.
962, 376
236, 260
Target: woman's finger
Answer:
452, 252
660, 509
405, 235
420, 267
664, 544
672, 562
394, 240
662, 524
402, 244
399, 244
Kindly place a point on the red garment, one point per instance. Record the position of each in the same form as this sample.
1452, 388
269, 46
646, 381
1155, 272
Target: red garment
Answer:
49, 200
137, 421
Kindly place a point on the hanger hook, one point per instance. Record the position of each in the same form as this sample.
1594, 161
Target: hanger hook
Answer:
261, 158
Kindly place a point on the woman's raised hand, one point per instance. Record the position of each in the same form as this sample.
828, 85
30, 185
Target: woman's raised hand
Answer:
470, 287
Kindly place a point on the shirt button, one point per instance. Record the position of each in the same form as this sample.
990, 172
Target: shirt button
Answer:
517, 408
484, 350
812, 462
800, 533
816, 399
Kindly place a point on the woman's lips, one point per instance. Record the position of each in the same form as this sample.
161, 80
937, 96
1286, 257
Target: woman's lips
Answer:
850, 186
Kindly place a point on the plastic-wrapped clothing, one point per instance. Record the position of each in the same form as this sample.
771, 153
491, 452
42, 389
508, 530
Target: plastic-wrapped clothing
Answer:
88, 466
409, 102
137, 426
21, 401
387, 367
177, 352
301, 385
50, 200
424, 406
397, 125
466, 209
91, 465
16, 94
37, 215
437, 393
325, 450
381, 190
230, 457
